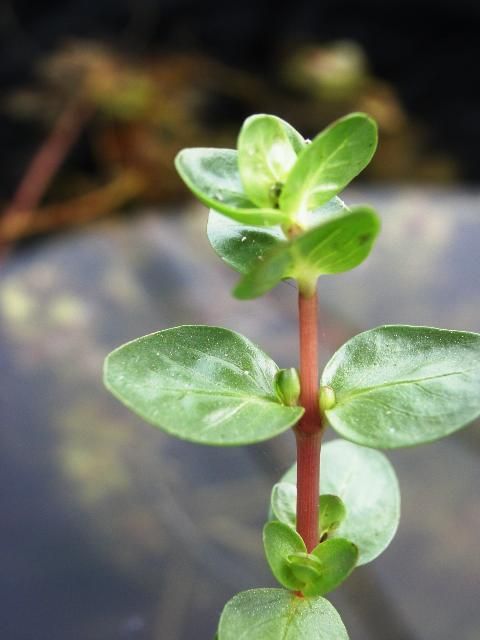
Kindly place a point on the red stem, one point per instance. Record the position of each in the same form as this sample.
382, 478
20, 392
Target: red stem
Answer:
308, 432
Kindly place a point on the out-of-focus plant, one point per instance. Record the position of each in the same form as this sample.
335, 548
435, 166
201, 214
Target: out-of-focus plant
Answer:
139, 112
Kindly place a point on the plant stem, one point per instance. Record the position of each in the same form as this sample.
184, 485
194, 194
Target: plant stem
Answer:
308, 431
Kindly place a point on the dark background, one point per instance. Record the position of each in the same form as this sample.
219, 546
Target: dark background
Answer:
111, 530
427, 49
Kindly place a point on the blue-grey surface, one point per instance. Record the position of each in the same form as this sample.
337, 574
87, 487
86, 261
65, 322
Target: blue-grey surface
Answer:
110, 529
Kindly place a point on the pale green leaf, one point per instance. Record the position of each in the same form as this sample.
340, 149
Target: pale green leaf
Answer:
337, 559
331, 514
366, 483
283, 503
204, 384
281, 541
398, 386
329, 163
212, 175
267, 150
338, 244
276, 614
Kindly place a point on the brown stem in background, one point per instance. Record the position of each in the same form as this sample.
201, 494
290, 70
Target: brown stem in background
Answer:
44, 165
308, 431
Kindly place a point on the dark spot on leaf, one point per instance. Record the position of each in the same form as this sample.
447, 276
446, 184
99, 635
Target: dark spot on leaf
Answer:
364, 238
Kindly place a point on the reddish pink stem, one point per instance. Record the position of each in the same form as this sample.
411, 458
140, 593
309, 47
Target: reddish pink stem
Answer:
308, 432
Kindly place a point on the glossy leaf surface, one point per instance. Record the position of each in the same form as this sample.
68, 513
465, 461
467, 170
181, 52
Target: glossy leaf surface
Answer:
267, 150
271, 614
281, 541
338, 244
204, 384
241, 246
366, 483
244, 246
213, 176
398, 386
329, 163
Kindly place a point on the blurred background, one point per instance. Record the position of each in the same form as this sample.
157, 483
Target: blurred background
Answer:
111, 530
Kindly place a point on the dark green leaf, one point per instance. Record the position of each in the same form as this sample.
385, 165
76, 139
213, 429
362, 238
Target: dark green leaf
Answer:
366, 483
339, 244
267, 150
239, 245
274, 614
212, 175
281, 541
204, 384
398, 386
329, 163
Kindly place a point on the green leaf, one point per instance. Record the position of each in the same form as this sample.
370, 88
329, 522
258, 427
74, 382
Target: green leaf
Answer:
204, 384
283, 503
307, 568
280, 542
332, 510
212, 175
267, 150
241, 246
329, 163
398, 386
337, 559
271, 614
366, 483
331, 514
339, 244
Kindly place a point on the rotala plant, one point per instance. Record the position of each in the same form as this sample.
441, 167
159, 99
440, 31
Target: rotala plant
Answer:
275, 214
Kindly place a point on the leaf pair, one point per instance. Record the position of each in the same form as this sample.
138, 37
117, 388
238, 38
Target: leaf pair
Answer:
315, 573
275, 177
394, 386
362, 498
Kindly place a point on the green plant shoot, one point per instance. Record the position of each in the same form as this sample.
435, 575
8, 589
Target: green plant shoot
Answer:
274, 215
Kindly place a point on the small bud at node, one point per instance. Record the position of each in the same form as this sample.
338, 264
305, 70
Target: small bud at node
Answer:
326, 398
287, 386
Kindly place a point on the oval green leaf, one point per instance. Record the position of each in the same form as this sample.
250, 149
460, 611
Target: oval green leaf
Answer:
281, 541
212, 175
271, 614
366, 483
339, 244
204, 384
329, 163
399, 386
267, 150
